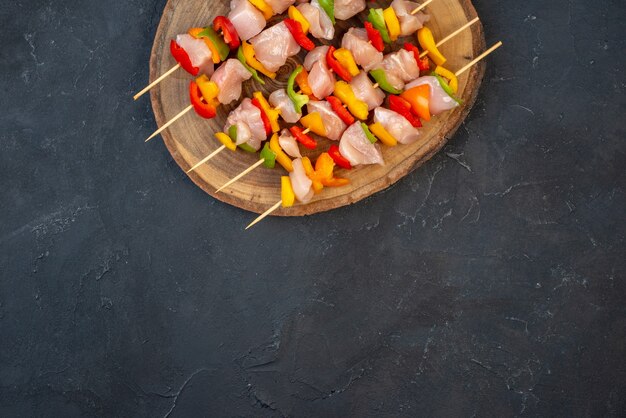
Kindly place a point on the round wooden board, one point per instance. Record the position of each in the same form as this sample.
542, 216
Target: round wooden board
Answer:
191, 138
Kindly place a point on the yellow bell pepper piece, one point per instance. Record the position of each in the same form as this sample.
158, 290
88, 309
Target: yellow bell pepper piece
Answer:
215, 54
383, 134
427, 42
344, 92
393, 24
248, 53
208, 88
282, 158
272, 114
226, 141
312, 175
286, 192
299, 17
346, 59
263, 7
453, 82
313, 122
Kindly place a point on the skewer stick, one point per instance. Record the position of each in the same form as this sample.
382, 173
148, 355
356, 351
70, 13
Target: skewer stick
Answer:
478, 59
453, 34
418, 8
167, 125
265, 215
213, 154
306, 131
155, 82
245, 172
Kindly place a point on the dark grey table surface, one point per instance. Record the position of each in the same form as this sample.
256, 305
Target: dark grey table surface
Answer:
489, 282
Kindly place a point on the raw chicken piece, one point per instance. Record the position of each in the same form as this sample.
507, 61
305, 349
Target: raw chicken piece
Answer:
400, 67
409, 24
364, 90
355, 146
279, 6
345, 9
274, 45
321, 25
364, 53
396, 125
321, 79
317, 54
301, 184
280, 100
199, 53
246, 18
229, 78
289, 144
440, 101
250, 128
335, 127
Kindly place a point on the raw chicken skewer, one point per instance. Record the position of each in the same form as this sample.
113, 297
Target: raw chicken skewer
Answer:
458, 73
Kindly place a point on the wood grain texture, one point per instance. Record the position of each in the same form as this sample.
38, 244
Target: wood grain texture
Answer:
191, 138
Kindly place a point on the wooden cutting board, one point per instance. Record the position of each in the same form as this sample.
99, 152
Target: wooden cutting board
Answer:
191, 138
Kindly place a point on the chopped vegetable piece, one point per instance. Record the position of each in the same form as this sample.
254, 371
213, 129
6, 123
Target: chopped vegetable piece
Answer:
229, 33
247, 148
453, 80
427, 42
181, 57
268, 156
264, 118
374, 36
282, 158
422, 63
444, 85
298, 100
339, 159
341, 111
384, 135
222, 49
329, 8
226, 141
303, 138
310, 173
271, 113
381, 78
344, 92
298, 34
336, 65
377, 19
368, 133
302, 80
419, 97
202, 108
296, 15
346, 59
393, 24
209, 89
232, 133
248, 53
263, 7
313, 122
241, 57
324, 167
402, 107
287, 195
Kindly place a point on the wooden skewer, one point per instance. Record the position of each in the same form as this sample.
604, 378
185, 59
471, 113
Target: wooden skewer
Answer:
420, 7
265, 214
213, 154
452, 35
245, 172
167, 125
155, 82
306, 131
478, 59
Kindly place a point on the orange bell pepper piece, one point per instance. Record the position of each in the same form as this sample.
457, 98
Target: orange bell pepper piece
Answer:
419, 97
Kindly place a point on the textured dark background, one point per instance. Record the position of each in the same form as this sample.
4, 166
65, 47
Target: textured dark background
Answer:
490, 282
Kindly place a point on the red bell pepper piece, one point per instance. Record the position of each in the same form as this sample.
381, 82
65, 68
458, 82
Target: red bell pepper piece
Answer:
422, 63
266, 120
298, 34
402, 107
180, 55
202, 108
339, 159
375, 37
341, 111
229, 33
303, 138
336, 66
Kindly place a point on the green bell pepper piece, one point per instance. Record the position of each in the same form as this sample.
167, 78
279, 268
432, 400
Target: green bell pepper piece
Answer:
444, 85
377, 19
329, 8
247, 148
254, 72
299, 100
217, 41
268, 156
381, 78
368, 133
